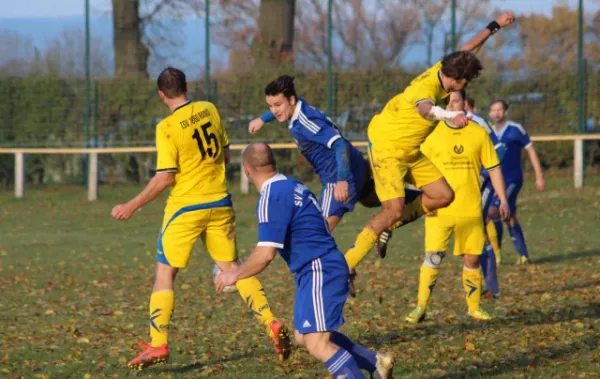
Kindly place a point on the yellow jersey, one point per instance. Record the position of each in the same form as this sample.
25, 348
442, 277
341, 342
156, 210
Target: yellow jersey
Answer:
399, 125
191, 143
459, 154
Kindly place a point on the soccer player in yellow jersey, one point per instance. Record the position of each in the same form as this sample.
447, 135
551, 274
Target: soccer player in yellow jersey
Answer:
459, 153
193, 149
397, 132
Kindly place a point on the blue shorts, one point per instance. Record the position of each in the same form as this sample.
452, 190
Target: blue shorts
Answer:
512, 192
487, 197
331, 207
321, 291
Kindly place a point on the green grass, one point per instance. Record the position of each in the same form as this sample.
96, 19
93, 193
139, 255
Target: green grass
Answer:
75, 286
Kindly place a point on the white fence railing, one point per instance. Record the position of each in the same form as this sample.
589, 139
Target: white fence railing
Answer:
93, 161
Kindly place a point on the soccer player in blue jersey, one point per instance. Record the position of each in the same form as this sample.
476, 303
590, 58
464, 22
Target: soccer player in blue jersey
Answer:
290, 221
515, 138
342, 169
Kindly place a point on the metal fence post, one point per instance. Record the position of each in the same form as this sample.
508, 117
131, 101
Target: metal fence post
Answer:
19, 175
578, 163
93, 177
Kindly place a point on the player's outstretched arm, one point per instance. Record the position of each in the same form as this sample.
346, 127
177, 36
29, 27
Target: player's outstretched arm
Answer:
258, 260
540, 183
432, 112
500, 188
155, 187
479, 39
255, 125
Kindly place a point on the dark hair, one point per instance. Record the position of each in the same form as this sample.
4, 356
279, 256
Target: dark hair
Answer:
461, 65
283, 84
463, 94
500, 101
171, 82
470, 101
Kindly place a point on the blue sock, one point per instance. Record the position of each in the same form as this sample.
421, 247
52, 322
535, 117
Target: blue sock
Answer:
499, 230
342, 364
516, 234
488, 267
365, 358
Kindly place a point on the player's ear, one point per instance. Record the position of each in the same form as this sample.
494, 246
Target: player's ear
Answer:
161, 94
293, 100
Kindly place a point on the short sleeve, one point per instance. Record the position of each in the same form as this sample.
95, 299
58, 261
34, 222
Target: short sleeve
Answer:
489, 158
274, 213
318, 130
166, 160
523, 137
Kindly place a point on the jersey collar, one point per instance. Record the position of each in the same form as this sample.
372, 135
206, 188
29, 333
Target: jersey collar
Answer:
181, 106
296, 113
275, 178
500, 132
440, 79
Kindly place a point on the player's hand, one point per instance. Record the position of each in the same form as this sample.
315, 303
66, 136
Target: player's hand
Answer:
225, 279
340, 192
504, 211
540, 184
460, 120
122, 212
255, 125
506, 18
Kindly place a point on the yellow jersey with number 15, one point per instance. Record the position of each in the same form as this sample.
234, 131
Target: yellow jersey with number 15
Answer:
399, 125
459, 154
191, 143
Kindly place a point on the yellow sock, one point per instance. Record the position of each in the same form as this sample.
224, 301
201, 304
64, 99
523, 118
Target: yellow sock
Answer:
253, 294
364, 243
427, 279
412, 211
161, 309
472, 285
493, 237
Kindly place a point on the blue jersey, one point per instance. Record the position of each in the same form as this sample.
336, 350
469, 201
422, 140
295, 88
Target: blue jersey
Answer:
498, 146
314, 134
515, 138
290, 220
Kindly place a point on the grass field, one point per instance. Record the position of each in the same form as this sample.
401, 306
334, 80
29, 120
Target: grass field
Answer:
75, 286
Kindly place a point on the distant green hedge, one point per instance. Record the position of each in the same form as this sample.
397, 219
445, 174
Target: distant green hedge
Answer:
48, 111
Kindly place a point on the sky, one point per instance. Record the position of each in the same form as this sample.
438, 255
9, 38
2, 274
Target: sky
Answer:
48, 8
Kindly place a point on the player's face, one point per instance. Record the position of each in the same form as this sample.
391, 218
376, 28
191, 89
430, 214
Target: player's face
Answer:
282, 107
497, 113
456, 102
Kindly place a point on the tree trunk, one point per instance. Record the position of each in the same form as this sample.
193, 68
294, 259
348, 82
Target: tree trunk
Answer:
131, 55
274, 42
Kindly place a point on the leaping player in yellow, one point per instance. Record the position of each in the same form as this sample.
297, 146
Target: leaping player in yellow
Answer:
193, 149
396, 134
459, 153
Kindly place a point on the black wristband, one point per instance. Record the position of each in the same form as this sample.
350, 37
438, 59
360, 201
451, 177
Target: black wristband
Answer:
493, 27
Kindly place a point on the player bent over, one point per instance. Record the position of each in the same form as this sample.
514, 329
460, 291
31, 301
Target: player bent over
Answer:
289, 220
342, 170
459, 153
193, 149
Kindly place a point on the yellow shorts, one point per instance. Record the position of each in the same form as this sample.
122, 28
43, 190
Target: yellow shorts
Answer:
469, 236
392, 167
182, 226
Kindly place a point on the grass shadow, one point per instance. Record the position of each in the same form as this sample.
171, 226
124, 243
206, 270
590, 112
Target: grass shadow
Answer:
566, 257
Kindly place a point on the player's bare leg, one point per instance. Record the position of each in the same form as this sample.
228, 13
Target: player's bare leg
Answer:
437, 195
